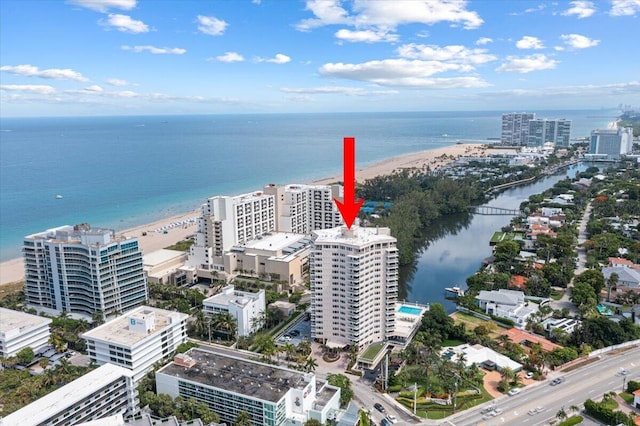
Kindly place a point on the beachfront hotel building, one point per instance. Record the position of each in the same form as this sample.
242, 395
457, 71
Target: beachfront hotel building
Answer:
246, 307
137, 339
19, 330
82, 270
515, 128
271, 395
106, 391
556, 131
354, 285
611, 142
230, 222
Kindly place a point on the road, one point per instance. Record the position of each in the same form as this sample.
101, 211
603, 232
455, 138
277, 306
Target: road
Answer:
592, 381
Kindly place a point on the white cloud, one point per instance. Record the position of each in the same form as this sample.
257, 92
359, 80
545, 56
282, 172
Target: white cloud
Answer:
422, 34
330, 90
366, 36
612, 89
211, 25
624, 7
52, 73
403, 73
116, 82
582, 9
453, 53
155, 50
125, 24
484, 40
387, 15
104, 5
526, 64
327, 12
529, 42
278, 59
538, 8
230, 57
94, 88
577, 41
41, 89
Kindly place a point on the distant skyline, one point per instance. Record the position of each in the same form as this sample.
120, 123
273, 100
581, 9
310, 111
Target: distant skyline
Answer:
130, 57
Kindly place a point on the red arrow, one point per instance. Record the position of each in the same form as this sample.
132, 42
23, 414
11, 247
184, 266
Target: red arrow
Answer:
350, 207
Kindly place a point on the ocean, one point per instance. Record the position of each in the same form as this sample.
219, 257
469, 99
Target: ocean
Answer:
120, 172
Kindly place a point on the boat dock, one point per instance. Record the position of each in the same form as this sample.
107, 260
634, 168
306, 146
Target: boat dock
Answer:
455, 290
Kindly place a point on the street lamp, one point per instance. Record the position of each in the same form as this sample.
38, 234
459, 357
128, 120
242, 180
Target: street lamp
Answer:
415, 397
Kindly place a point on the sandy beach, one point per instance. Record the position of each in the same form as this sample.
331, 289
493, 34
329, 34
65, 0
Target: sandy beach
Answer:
179, 227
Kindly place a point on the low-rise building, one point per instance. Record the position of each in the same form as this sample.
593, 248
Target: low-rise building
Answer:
636, 398
282, 256
627, 276
507, 304
103, 392
137, 339
568, 325
271, 395
19, 330
479, 355
165, 267
244, 306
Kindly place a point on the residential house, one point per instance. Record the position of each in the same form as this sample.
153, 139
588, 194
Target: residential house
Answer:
479, 355
508, 304
526, 339
627, 277
568, 325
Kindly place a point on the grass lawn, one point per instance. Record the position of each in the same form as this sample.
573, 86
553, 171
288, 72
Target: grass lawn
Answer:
451, 342
373, 350
469, 320
611, 404
628, 398
556, 295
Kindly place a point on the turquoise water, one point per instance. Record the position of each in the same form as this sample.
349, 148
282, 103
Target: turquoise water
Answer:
120, 172
404, 309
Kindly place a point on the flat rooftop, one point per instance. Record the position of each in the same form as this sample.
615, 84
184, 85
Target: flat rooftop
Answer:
355, 236
51, 404
117, 330
160, 256
239, 297
250, 378
275, 242
17, 321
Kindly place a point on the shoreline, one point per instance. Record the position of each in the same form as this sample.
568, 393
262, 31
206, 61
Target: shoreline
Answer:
12, 271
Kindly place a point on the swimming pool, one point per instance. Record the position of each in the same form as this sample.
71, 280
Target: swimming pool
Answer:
404, 309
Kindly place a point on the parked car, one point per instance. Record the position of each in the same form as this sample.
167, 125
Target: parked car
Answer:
528, 375
514, 391
392, 419
294, 332
379, 407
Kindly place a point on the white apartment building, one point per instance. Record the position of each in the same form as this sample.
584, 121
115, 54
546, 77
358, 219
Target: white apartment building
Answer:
19, 330
612, 142
556, 131
271, 395
82, 270
244, 306
106, 391
354, 285
137, 339
515, 128
227, 222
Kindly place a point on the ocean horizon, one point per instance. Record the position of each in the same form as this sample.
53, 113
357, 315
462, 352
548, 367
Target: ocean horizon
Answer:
123, 171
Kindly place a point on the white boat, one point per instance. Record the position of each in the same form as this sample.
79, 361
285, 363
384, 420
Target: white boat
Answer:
456, 290
58, 197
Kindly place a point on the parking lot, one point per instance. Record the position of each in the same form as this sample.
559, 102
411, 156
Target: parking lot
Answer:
297, 333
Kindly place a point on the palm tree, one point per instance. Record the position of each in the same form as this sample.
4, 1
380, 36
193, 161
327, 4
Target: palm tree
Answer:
612, 283
43, 363
289, 350
507, 373
574, 409
225, 323
310, 365
243, 419
561, 414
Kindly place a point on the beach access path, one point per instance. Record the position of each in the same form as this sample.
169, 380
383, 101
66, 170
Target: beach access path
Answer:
12, 271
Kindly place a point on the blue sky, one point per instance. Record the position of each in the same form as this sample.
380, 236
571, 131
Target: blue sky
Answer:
114, 57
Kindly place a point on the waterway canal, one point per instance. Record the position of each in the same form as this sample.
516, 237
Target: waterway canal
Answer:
456, 245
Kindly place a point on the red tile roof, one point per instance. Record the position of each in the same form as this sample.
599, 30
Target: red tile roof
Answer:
518, 281
525, 338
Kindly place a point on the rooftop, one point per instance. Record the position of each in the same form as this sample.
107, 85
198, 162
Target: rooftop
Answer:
276, 241
524, 338
14, 322
228, 294
249, 378
117, 330
160, 256
356, 236
49, 405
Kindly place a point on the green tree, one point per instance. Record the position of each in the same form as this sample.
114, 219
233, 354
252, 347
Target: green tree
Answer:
312, 422
592, 277
343, 382
612, 284
25, 356
243, 419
